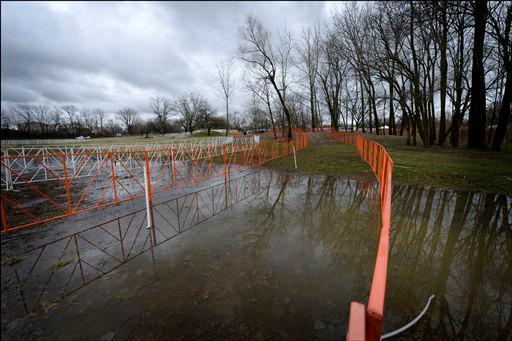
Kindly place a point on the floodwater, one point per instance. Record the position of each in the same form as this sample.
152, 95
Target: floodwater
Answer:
285, 263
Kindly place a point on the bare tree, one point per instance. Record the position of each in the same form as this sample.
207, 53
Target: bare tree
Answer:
6, 119
476, 123
42, 115
189, 107
309, 53
332, 71
501, 23
260, 88
56, 117
207, 118
99, 116
24, 114
113, 127
226, 81
129, 118
88, 119
459, 90
161, 107
239, 122
262, 59
72, 113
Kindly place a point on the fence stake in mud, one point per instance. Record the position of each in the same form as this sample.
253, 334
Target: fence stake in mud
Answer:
113, 179
149, 203
8, 176
294, 157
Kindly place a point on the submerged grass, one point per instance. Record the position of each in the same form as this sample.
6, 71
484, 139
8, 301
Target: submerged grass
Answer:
61, 264
439, 167
12, 260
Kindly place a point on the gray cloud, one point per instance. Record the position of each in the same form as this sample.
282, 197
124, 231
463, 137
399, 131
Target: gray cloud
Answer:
111, 55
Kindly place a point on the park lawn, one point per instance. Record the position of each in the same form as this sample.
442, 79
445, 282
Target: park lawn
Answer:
438, 167
327, 159
204, 133
130, 140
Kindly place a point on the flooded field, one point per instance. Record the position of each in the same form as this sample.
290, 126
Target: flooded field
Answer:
273, 256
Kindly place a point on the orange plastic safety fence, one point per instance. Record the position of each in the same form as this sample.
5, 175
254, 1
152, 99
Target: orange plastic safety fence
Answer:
382, 165
318, 129
42, 188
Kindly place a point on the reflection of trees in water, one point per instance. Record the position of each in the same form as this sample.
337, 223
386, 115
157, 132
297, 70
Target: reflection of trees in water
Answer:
330, 214
270, 207
343, 224
457, 245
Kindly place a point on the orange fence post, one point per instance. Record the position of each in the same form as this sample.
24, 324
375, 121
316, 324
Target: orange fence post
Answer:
4, 218
194, 162
356, 325
225, 155
173, 156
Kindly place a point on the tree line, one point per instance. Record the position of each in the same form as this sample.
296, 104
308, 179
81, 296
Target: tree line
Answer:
423, 69
187, 113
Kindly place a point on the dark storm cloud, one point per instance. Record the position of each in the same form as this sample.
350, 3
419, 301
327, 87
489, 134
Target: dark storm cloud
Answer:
116, 54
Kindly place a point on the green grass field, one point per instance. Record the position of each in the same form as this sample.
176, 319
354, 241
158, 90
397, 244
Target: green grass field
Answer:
131, 140
329, 159
439, 167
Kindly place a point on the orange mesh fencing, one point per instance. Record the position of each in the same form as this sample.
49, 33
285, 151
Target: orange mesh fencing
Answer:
41, 188
317, 129
382, 165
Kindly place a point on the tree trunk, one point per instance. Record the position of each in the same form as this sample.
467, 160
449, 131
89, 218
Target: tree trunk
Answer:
456, 116
432, 118
374, 108
444, 72
271, 114
312, 105
285, 109
418, 108
362, 108
504, 115
392, 126
227, 116
476, 131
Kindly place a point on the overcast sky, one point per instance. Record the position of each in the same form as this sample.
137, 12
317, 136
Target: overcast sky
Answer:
110, 55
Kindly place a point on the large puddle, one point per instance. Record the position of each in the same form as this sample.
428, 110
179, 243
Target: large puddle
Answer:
286, 261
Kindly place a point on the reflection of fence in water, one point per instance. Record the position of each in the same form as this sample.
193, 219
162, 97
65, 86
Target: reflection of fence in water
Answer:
41, 188
59, 268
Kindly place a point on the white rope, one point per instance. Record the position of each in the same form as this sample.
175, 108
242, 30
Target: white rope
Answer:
410, 324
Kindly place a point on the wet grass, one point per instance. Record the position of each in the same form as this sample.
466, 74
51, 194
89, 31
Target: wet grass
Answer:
102, 261
328, 159
450, 168
61, 264
122, 295
205, 134
439, 167
12, 261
